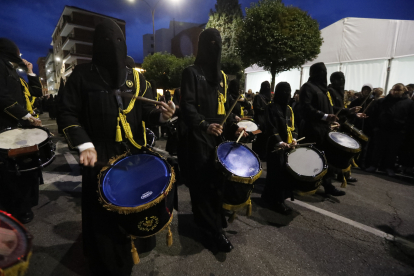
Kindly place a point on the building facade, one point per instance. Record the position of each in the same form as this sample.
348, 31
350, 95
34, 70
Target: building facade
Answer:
72, 43
164, 36
41, 64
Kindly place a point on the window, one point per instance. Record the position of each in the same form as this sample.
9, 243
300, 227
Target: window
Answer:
152, 45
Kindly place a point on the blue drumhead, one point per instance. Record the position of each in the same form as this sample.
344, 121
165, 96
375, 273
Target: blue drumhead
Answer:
136, 180
238, 159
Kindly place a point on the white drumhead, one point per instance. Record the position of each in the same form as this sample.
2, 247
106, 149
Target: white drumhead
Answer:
305, 161
248, 125
344, 140
19, 138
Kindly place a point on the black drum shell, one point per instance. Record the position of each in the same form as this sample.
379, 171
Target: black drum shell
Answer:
34, 161
132, 223
355, 133
236, 193
337, 156
305, 183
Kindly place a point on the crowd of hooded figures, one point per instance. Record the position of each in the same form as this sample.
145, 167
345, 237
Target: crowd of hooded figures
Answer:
112, 115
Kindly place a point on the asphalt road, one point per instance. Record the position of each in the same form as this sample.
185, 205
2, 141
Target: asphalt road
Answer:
370, 231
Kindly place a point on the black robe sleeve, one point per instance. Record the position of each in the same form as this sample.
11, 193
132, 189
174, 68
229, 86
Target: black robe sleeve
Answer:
35, 87
71, 112
8, 103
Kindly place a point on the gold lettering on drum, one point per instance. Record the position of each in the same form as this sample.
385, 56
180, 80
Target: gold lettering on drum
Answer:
148, 224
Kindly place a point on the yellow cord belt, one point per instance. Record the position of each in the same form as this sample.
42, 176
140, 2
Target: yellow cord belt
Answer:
290, 129
123, 120
329, 97
29, 104
222, 98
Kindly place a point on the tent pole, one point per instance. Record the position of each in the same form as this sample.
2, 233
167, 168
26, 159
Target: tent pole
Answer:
388, 75
301, 73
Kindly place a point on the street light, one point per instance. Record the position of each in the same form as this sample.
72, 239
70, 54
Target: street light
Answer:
152, 13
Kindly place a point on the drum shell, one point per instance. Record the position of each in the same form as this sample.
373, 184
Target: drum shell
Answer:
337, 155
355, 133
159, 214
236, 193
33, 161
305, 183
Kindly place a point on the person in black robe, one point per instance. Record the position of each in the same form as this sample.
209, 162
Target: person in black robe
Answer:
337, 92
18, 193
364, 124
260, 102
204, 104
393, 118
172, 128
94, 93
242, 105
280, 133
317, 116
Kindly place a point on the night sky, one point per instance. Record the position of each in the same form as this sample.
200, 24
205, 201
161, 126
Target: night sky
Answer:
30, 23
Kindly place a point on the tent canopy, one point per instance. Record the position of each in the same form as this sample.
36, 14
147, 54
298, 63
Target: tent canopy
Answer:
364, 49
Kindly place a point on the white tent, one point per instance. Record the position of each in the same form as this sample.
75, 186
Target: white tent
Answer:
376, 51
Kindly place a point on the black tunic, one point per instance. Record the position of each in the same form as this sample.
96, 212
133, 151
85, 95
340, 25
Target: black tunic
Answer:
199, 105
89, 113
314, 105
17, 193
259, 107
277, 188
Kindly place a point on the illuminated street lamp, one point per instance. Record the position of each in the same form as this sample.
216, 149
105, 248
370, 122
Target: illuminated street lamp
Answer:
152, 13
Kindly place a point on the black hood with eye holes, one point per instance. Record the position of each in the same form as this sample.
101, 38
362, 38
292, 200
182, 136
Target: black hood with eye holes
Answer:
318, 76
282, 94
9, 52
110, 53
209, 55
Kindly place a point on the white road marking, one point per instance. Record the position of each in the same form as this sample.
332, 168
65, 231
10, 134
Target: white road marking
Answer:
74, 165
355, 224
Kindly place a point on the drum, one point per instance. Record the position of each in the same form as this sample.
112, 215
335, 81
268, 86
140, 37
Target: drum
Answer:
150, 136
139, 188
354, 132
241, 168
305, 166
340, 149
23, 140
15, 246
250, 127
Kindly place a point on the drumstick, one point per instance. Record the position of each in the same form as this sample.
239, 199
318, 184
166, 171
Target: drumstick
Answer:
368, 106
337, 113
139, 98
240, 136
229, 112
367, 97
301, 145
300, 139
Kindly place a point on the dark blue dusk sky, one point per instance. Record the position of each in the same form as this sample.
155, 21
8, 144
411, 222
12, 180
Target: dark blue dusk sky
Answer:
30, 24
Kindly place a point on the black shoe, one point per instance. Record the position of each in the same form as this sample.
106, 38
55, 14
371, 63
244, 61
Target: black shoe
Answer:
334, 191
223, 243
282, 208
26, 217
351, 179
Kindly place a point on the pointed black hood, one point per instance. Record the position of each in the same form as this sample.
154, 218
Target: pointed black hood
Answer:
9, 52
282, 94
234, 88
338, 82
318, 76
110, 53
265, 90
209, 55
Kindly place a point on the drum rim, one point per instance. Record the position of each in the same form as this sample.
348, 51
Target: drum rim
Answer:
241, 179
29, 238
153, 137
304, 177
341, 146
43, 143
128, 210
361, 135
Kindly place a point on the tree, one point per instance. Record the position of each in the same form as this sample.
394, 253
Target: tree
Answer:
226, 19
165, 69
278, 37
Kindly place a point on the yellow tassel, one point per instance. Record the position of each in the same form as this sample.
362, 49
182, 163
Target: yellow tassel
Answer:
134, 252
118, 136
221, 100
329, 97
344, 183
169, 237
249, 210
232, 217
354, 164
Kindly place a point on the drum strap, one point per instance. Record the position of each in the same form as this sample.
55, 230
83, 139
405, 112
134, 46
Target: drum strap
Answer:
122, 118
222, 98
29, 104
292, 128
